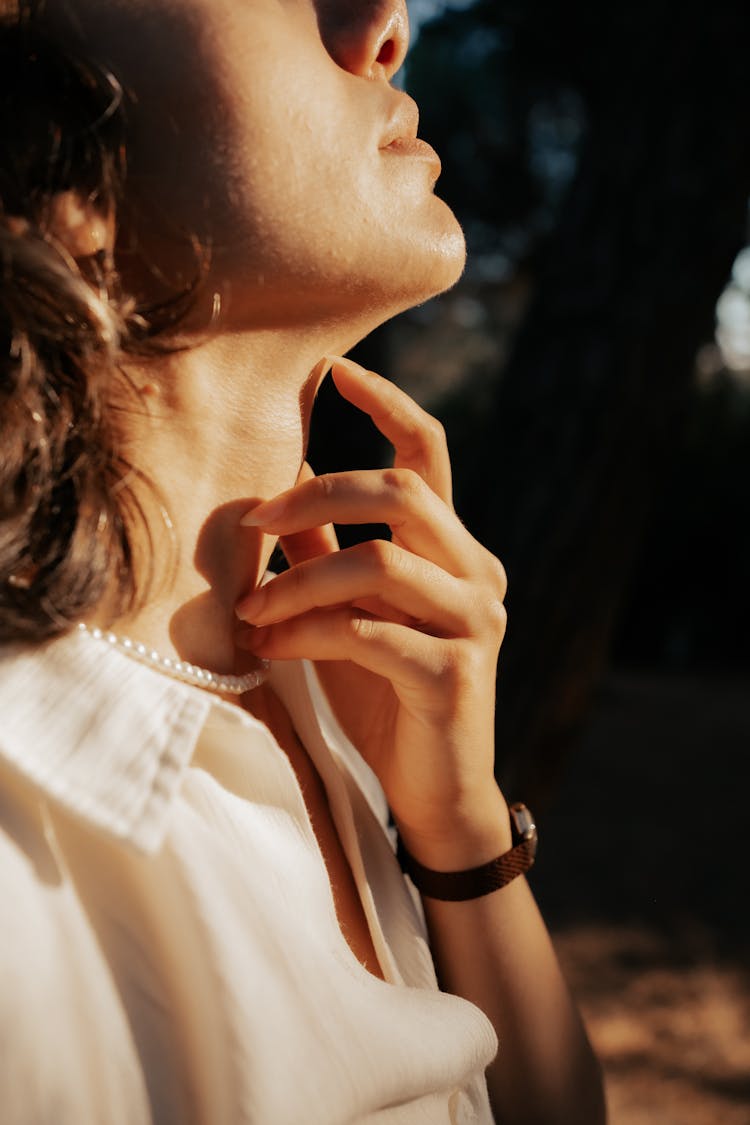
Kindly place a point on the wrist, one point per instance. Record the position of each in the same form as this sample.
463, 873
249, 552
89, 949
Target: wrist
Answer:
480, 879
463, 837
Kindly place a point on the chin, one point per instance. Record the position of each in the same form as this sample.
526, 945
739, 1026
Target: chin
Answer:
431, 270
450, 259
438, 257
420, 279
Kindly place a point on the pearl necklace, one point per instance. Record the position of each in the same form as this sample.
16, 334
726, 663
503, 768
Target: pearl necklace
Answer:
180, 669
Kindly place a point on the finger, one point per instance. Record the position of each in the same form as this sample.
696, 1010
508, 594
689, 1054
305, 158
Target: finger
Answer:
420, 592
312, 542
411, 660
397, 497
417, 438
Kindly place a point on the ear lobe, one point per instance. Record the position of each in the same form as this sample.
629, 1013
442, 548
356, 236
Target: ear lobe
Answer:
79, 225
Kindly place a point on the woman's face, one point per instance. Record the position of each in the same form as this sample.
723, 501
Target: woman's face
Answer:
270, 127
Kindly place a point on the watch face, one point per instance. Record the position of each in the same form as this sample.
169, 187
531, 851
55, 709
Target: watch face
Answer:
524, 822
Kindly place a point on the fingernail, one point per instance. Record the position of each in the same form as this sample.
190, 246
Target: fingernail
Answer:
252, 639
251, 605
263, 514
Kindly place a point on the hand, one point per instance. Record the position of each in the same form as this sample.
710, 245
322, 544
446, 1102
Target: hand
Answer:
405, 633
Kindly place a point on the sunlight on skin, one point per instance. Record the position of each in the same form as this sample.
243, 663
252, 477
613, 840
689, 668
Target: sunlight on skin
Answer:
323, 222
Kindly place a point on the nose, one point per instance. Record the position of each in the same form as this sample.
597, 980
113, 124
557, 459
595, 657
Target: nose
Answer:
366, 37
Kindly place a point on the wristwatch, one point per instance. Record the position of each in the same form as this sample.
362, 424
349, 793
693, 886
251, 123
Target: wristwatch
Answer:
474, 882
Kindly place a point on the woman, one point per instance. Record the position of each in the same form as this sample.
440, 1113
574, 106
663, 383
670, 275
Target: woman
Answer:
205, 919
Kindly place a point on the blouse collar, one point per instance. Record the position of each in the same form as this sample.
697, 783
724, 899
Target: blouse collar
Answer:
96, 732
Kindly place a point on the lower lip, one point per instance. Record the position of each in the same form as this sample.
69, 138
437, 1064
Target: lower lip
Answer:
413, 146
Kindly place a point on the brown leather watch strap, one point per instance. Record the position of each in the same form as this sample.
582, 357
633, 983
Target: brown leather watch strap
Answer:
474, 882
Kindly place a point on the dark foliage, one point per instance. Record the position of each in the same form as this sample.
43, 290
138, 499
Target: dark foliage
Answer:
628, 228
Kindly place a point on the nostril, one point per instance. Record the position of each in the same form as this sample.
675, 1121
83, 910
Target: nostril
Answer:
387, 53
369, 37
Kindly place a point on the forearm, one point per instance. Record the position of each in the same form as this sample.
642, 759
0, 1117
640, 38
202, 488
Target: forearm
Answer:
496, 952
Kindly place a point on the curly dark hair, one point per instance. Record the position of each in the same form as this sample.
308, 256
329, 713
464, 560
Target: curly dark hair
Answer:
68, 501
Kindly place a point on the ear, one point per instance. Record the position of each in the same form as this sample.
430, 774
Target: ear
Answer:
79, 224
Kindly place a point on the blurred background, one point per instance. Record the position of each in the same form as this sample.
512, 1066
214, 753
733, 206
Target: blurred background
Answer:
592, 369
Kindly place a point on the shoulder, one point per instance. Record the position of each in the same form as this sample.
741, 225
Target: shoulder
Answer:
31, 961
29, 878
39, 905
65, 1050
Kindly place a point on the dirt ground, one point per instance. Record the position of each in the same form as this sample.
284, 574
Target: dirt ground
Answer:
642, 874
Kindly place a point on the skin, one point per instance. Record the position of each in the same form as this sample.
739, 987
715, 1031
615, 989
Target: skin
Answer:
318, 233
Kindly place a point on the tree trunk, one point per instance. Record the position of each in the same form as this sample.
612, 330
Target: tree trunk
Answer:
588, 414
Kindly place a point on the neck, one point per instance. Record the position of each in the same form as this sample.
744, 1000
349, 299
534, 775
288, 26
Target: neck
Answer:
225, 426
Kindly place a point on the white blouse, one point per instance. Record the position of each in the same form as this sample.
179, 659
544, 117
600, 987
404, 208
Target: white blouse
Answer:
169, 947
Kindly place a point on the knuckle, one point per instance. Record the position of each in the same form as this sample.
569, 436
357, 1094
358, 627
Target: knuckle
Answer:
421, 421
299, 577
402, 482
360, 627
380, 556
491, 615
436, 431
499, 577
499, 619
326, 485
422, 434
